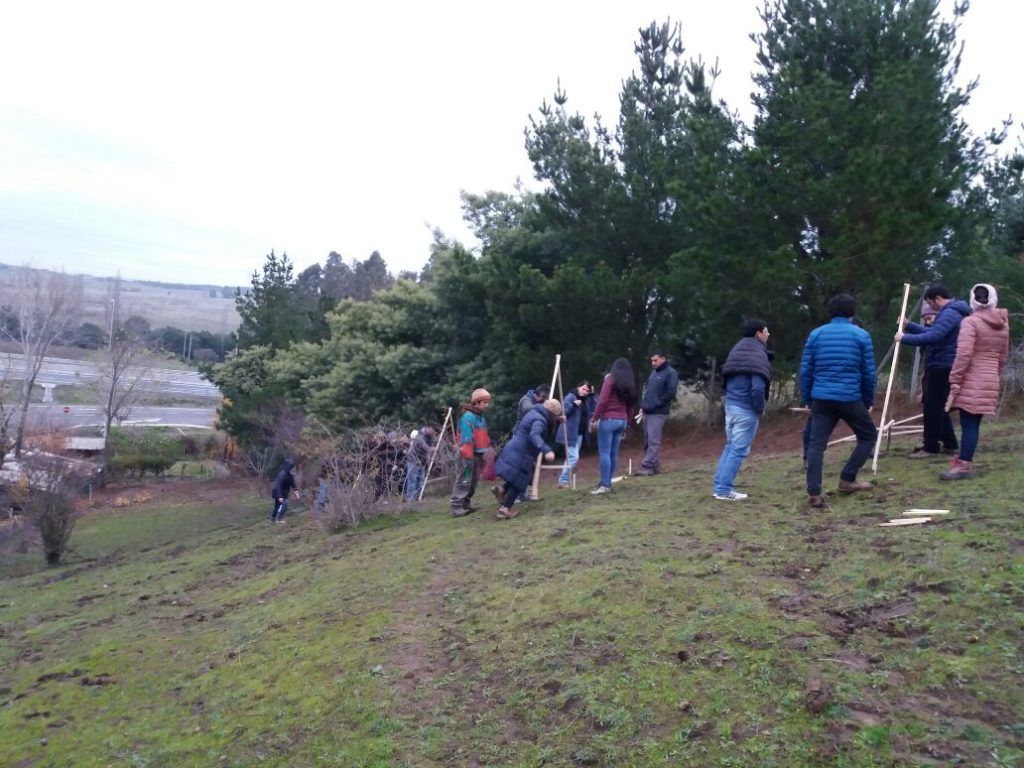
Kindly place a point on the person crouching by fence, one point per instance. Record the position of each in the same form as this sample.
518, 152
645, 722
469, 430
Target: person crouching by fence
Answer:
516, 462
284, 484
416, 462
474, 441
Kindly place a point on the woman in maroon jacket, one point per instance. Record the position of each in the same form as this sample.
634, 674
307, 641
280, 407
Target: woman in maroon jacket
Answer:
614, 408
981, 351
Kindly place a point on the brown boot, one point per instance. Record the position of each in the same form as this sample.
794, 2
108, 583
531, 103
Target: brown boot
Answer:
958, 470
817, 502
497, 493
507, 513
852, 486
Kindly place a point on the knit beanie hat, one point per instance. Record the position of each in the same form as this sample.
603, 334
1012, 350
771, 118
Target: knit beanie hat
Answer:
927, 311
992, 298
479, 395
553, 407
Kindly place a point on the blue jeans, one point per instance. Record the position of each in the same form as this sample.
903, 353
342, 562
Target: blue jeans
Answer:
740, 428
609, 436
970, 427
413, 481
572, 455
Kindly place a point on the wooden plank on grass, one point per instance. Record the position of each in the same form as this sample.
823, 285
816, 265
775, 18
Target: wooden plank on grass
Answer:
926, 512
905, 521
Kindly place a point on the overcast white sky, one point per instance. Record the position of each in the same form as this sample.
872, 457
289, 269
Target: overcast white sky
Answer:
183, 141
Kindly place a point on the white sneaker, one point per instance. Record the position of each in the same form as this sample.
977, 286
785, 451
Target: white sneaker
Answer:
600, 490
731, 496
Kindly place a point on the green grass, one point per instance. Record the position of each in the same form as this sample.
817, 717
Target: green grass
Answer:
650, 627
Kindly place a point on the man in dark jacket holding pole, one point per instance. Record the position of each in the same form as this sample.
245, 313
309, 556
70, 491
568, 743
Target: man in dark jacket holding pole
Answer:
746, 376
659, 394
939, 342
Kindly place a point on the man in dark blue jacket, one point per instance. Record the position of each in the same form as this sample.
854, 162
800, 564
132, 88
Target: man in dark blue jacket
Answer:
659, 395
284, 484
939, 342
837, 380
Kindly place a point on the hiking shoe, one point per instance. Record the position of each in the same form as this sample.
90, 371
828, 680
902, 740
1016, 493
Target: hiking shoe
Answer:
817, 502
463, 511
958, 470
600, 490
504, 513
730, 496
921, 453
563, 486
852, 486
646, 472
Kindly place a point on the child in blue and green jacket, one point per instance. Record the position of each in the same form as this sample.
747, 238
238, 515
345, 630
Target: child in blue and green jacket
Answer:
474, 441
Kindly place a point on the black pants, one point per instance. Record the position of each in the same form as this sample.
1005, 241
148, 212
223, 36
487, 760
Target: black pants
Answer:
825, 414
938, 428
511, 494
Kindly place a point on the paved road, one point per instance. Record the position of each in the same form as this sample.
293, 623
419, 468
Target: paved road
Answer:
51, 416
56, 370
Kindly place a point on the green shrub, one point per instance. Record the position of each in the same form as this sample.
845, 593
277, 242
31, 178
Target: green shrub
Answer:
137, 465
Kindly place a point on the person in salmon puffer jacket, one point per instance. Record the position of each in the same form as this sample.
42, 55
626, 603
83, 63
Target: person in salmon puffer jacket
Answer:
981, 352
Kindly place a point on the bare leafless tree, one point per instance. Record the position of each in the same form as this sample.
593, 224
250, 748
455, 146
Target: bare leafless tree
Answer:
49, 498
46, 304
122, 368
10, 399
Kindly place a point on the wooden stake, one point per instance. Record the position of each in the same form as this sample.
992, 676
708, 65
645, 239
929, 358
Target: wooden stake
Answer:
905, 521
892, 376
917, 352
540, 458
433, 456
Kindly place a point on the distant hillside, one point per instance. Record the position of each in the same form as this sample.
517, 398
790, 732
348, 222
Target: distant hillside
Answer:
189, 307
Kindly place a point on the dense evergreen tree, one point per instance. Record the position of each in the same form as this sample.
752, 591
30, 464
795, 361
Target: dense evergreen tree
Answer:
270, 313
860, 159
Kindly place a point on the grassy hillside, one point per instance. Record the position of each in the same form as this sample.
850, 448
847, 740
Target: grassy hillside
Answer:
650, 627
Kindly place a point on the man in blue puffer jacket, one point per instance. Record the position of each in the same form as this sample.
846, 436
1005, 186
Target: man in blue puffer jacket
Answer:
837, 380
939, 342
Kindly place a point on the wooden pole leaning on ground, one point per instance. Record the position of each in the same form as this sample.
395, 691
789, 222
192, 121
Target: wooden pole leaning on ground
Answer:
555, 376
892, 377
437, 447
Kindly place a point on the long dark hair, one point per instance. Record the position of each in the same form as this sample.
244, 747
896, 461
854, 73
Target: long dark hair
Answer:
624, 380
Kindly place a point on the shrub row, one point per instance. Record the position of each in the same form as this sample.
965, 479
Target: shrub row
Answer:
140, 464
